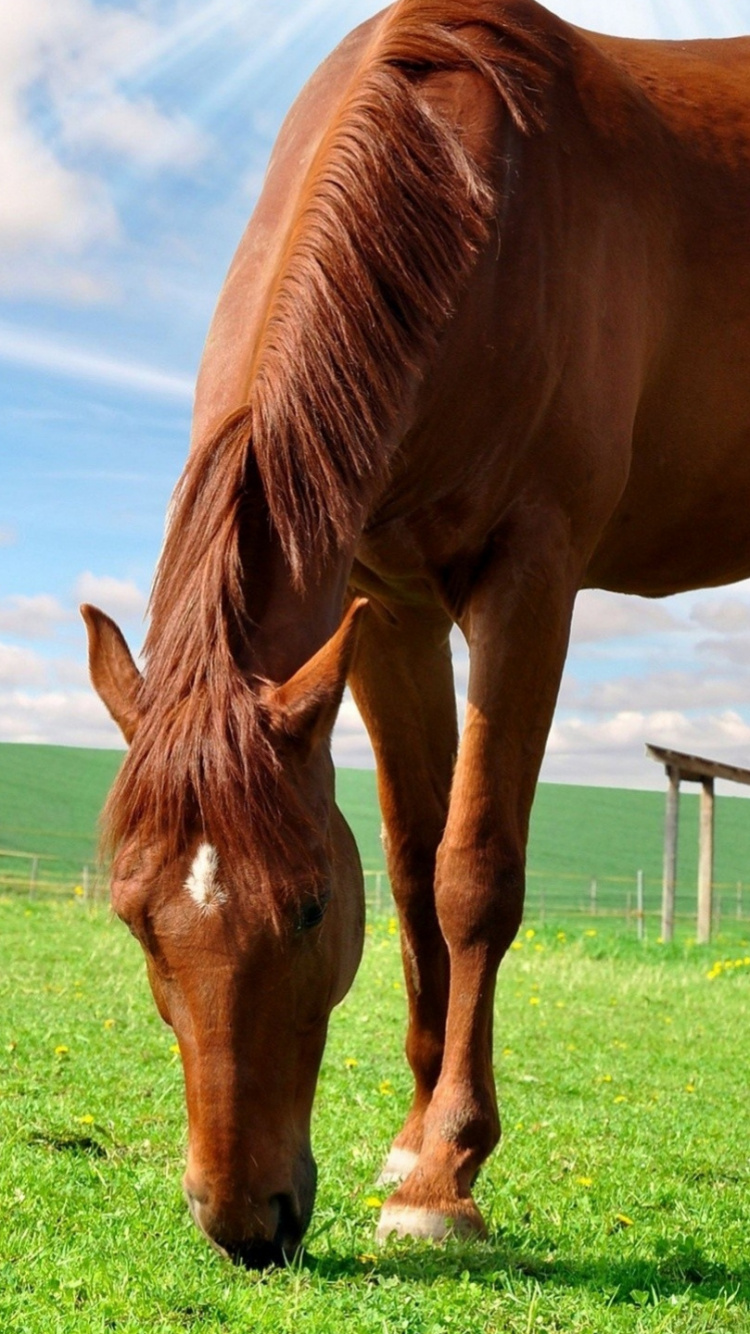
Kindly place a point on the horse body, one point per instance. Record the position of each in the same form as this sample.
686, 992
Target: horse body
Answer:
486, 341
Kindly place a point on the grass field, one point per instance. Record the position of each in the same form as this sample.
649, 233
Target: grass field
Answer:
50, 798
619, 1200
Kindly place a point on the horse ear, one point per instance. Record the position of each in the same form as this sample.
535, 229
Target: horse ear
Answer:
305, 707
113, 673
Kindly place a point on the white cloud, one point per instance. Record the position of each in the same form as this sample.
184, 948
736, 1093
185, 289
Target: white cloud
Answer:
599, 616
59, 717
612, 750
75, 57
21, 348
118, 597
20, 667
688, 691
729, 615
35, 617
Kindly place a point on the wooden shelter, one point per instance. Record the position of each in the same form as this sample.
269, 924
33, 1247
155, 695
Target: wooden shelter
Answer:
691, 769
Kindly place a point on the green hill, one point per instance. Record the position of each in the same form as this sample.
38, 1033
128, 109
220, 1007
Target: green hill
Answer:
50, 798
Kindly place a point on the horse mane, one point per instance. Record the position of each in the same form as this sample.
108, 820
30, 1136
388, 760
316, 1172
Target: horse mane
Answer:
389, 223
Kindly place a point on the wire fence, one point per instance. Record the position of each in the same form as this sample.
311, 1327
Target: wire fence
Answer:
550, 896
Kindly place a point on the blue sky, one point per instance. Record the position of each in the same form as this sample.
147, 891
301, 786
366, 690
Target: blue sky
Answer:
133, 138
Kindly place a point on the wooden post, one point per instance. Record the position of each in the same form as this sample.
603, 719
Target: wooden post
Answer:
33, 875
592, 897
670, 854
705, 861
639, 898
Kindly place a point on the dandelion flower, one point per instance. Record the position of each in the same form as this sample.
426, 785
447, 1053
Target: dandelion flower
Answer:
109, 1023
86, 1120
175, 1049
623, 1221
386, 1088
373, 1202
584, 1181
61, 1050
533, 1000
351, 1062
530, 933
690, 1088
620, 1098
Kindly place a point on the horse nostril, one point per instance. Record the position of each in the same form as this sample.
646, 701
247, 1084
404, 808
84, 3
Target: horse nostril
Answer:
289, 1228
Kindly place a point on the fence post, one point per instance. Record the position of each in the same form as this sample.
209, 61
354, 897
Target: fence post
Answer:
639, 900
33, 875
592, 897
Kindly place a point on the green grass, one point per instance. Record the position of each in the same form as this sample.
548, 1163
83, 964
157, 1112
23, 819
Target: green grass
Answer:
623, 1082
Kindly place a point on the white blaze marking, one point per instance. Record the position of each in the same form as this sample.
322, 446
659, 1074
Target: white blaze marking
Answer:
203, 884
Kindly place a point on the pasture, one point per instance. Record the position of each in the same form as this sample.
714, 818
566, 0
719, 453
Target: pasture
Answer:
618, 1201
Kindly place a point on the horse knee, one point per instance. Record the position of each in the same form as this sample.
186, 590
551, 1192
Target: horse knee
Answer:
479, 898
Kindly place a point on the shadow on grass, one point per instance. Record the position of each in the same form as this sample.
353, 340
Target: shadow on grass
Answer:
497, 1263
68, 1144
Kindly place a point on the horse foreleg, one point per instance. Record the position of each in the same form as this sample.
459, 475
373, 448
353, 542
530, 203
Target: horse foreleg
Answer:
402, 680
517, 624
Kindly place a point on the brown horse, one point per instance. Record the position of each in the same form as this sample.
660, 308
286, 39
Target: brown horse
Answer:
486, 341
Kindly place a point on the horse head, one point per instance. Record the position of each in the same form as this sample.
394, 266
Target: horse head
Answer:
248, 952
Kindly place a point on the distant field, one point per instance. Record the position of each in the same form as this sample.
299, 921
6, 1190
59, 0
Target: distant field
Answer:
50, 798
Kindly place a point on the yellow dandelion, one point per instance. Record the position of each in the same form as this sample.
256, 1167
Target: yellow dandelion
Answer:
517, 945
392, 926
561, 936
623, 1221
585, 1182
351, 1062
373, 1202
368, 1259
507, 1051
386, 1088
61, 1050
539, 949
590, 933
175, 1049
396, 986
690, 1088
605, 1079
78, 891
530, 933
533, 1000
109, 1023
620, 1098
86, 1120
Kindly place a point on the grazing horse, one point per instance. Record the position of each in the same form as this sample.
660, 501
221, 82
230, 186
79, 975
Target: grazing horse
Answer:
485, 342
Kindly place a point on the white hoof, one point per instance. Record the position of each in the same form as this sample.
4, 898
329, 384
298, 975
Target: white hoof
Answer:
397, 1167
424, 1224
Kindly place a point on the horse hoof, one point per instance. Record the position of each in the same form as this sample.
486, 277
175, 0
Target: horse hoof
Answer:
397, 1166
398, 1220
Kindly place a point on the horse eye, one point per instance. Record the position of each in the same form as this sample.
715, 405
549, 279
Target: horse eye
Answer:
311, 914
